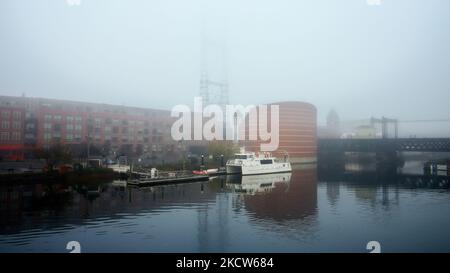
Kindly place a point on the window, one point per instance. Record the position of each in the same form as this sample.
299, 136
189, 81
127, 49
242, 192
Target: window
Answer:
30, 126
69, 137
78, 127
57, 117
16, 125
69, 127
48, 117
69, 118
16, 136
78, 119
77, 137
266, 161
97, 122
5, 114
47, 136
4, 136
47, 126
17, 115
5, 124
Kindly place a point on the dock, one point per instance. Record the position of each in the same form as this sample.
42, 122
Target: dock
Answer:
162, 178
440, 167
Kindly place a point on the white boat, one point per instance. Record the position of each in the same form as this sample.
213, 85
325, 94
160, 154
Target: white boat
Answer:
120, 168
249, 163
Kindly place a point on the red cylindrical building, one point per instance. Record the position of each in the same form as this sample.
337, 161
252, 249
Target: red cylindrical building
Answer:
297, 132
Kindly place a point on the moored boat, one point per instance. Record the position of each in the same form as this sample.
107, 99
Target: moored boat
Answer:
250, 163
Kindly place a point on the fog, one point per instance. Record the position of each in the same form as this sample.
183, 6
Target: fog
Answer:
363, 60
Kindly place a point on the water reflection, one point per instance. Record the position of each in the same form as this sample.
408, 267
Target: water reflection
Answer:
280, 198
278, 212
253, 184
30, 211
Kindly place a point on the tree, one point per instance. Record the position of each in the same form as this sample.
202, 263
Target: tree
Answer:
225, 148
55, 155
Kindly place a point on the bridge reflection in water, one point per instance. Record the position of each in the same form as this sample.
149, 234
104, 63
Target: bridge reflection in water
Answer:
282, 212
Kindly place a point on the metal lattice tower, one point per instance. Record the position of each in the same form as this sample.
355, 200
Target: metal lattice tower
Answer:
213, 86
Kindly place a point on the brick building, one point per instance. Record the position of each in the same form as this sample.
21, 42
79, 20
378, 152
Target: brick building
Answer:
297, 132
29, 123
11, 132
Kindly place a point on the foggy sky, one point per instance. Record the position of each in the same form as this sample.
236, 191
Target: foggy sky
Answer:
362, 60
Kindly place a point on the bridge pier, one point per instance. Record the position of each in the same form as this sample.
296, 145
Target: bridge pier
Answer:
388, 161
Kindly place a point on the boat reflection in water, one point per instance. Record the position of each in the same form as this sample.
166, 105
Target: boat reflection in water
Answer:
252, 184
278, 198
222, 215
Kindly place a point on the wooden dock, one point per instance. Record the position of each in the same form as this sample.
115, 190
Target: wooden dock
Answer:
144, 179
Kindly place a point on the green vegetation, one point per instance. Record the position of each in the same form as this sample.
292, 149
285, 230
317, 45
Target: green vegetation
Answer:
219, 148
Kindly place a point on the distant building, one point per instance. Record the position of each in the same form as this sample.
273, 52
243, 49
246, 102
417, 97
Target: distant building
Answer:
365, 131
332, 128
333, 124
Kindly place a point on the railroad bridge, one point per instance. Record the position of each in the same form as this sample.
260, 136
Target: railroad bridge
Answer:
384, 145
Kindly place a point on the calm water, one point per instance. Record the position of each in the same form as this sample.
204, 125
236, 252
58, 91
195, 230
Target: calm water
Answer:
276, 213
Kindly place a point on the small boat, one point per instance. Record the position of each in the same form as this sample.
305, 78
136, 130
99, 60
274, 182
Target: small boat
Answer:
210, 172
250, 163
200, 172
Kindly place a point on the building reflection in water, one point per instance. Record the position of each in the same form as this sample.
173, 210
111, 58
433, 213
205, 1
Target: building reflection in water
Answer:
285, 201
269, 202
282, 196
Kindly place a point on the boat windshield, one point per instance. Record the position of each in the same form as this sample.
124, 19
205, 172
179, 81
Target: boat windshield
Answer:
240, 156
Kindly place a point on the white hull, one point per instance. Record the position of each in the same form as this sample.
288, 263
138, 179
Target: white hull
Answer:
251, 164
120, 168
259, 169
